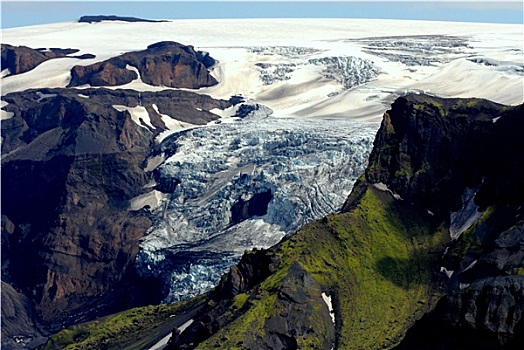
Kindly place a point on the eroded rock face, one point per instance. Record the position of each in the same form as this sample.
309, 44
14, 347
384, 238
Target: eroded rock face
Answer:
429, 150
162, 64
71, 163
21, 59
437, 153
300, 300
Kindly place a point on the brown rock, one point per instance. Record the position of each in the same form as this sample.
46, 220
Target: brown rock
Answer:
20, 59
166, 63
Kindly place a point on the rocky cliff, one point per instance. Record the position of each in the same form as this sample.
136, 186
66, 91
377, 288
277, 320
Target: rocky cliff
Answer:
406, 247
21, 59
162, 64
71, 162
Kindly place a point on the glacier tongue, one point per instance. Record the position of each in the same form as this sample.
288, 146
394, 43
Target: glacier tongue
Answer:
244, 185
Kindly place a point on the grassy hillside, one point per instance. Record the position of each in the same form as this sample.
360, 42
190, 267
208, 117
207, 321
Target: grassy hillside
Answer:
133, 329
374, 261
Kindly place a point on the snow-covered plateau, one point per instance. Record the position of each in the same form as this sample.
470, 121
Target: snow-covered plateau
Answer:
227, 187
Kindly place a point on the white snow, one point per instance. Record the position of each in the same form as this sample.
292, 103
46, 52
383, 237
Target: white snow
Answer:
42, 96
470, 265
153, 162
435, 63
153, 199
4, 114
173, 125
137, 113
448, 273
383, 187
463, 219
327, 300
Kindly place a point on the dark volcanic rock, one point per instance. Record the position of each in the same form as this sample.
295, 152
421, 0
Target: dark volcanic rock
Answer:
162, 64
485, 316
20, 59
253, 268
300, 298
100, 18
71, 163
429, 151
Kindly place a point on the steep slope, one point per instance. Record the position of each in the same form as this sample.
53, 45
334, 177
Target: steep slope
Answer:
379, 261
71, 162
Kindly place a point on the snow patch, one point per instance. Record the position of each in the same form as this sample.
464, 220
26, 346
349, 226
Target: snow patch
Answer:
152, 199
470, 265
447, 272
495, 119
5, 114
154, 162
139, 115
83, 96
383, 187
463, 219
327, 300
42, 96
464, 285
134, 69
173, 125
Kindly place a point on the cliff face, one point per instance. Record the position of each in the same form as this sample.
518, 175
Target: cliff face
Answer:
429, 151
162, 64
462, 161
380, 260
71, 164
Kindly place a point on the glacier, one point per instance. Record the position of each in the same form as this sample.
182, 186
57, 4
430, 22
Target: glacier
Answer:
232, 187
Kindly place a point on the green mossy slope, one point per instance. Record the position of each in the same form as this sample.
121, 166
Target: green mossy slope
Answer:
134, 329
374, 261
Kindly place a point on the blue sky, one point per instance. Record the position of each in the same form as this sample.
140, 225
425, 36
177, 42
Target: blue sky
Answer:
20, 13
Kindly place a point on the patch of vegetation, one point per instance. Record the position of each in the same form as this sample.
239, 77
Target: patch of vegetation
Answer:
239, 301
136, 328
374, 261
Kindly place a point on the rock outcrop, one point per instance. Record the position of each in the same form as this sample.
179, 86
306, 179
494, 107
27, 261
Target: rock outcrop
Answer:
162, 64
101, 18
437, 152
71, 163
21, 59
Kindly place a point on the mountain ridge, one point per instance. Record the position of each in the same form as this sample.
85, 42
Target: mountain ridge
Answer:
405, 261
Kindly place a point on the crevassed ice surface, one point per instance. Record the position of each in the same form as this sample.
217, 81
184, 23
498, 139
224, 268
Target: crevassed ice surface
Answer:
296, 170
